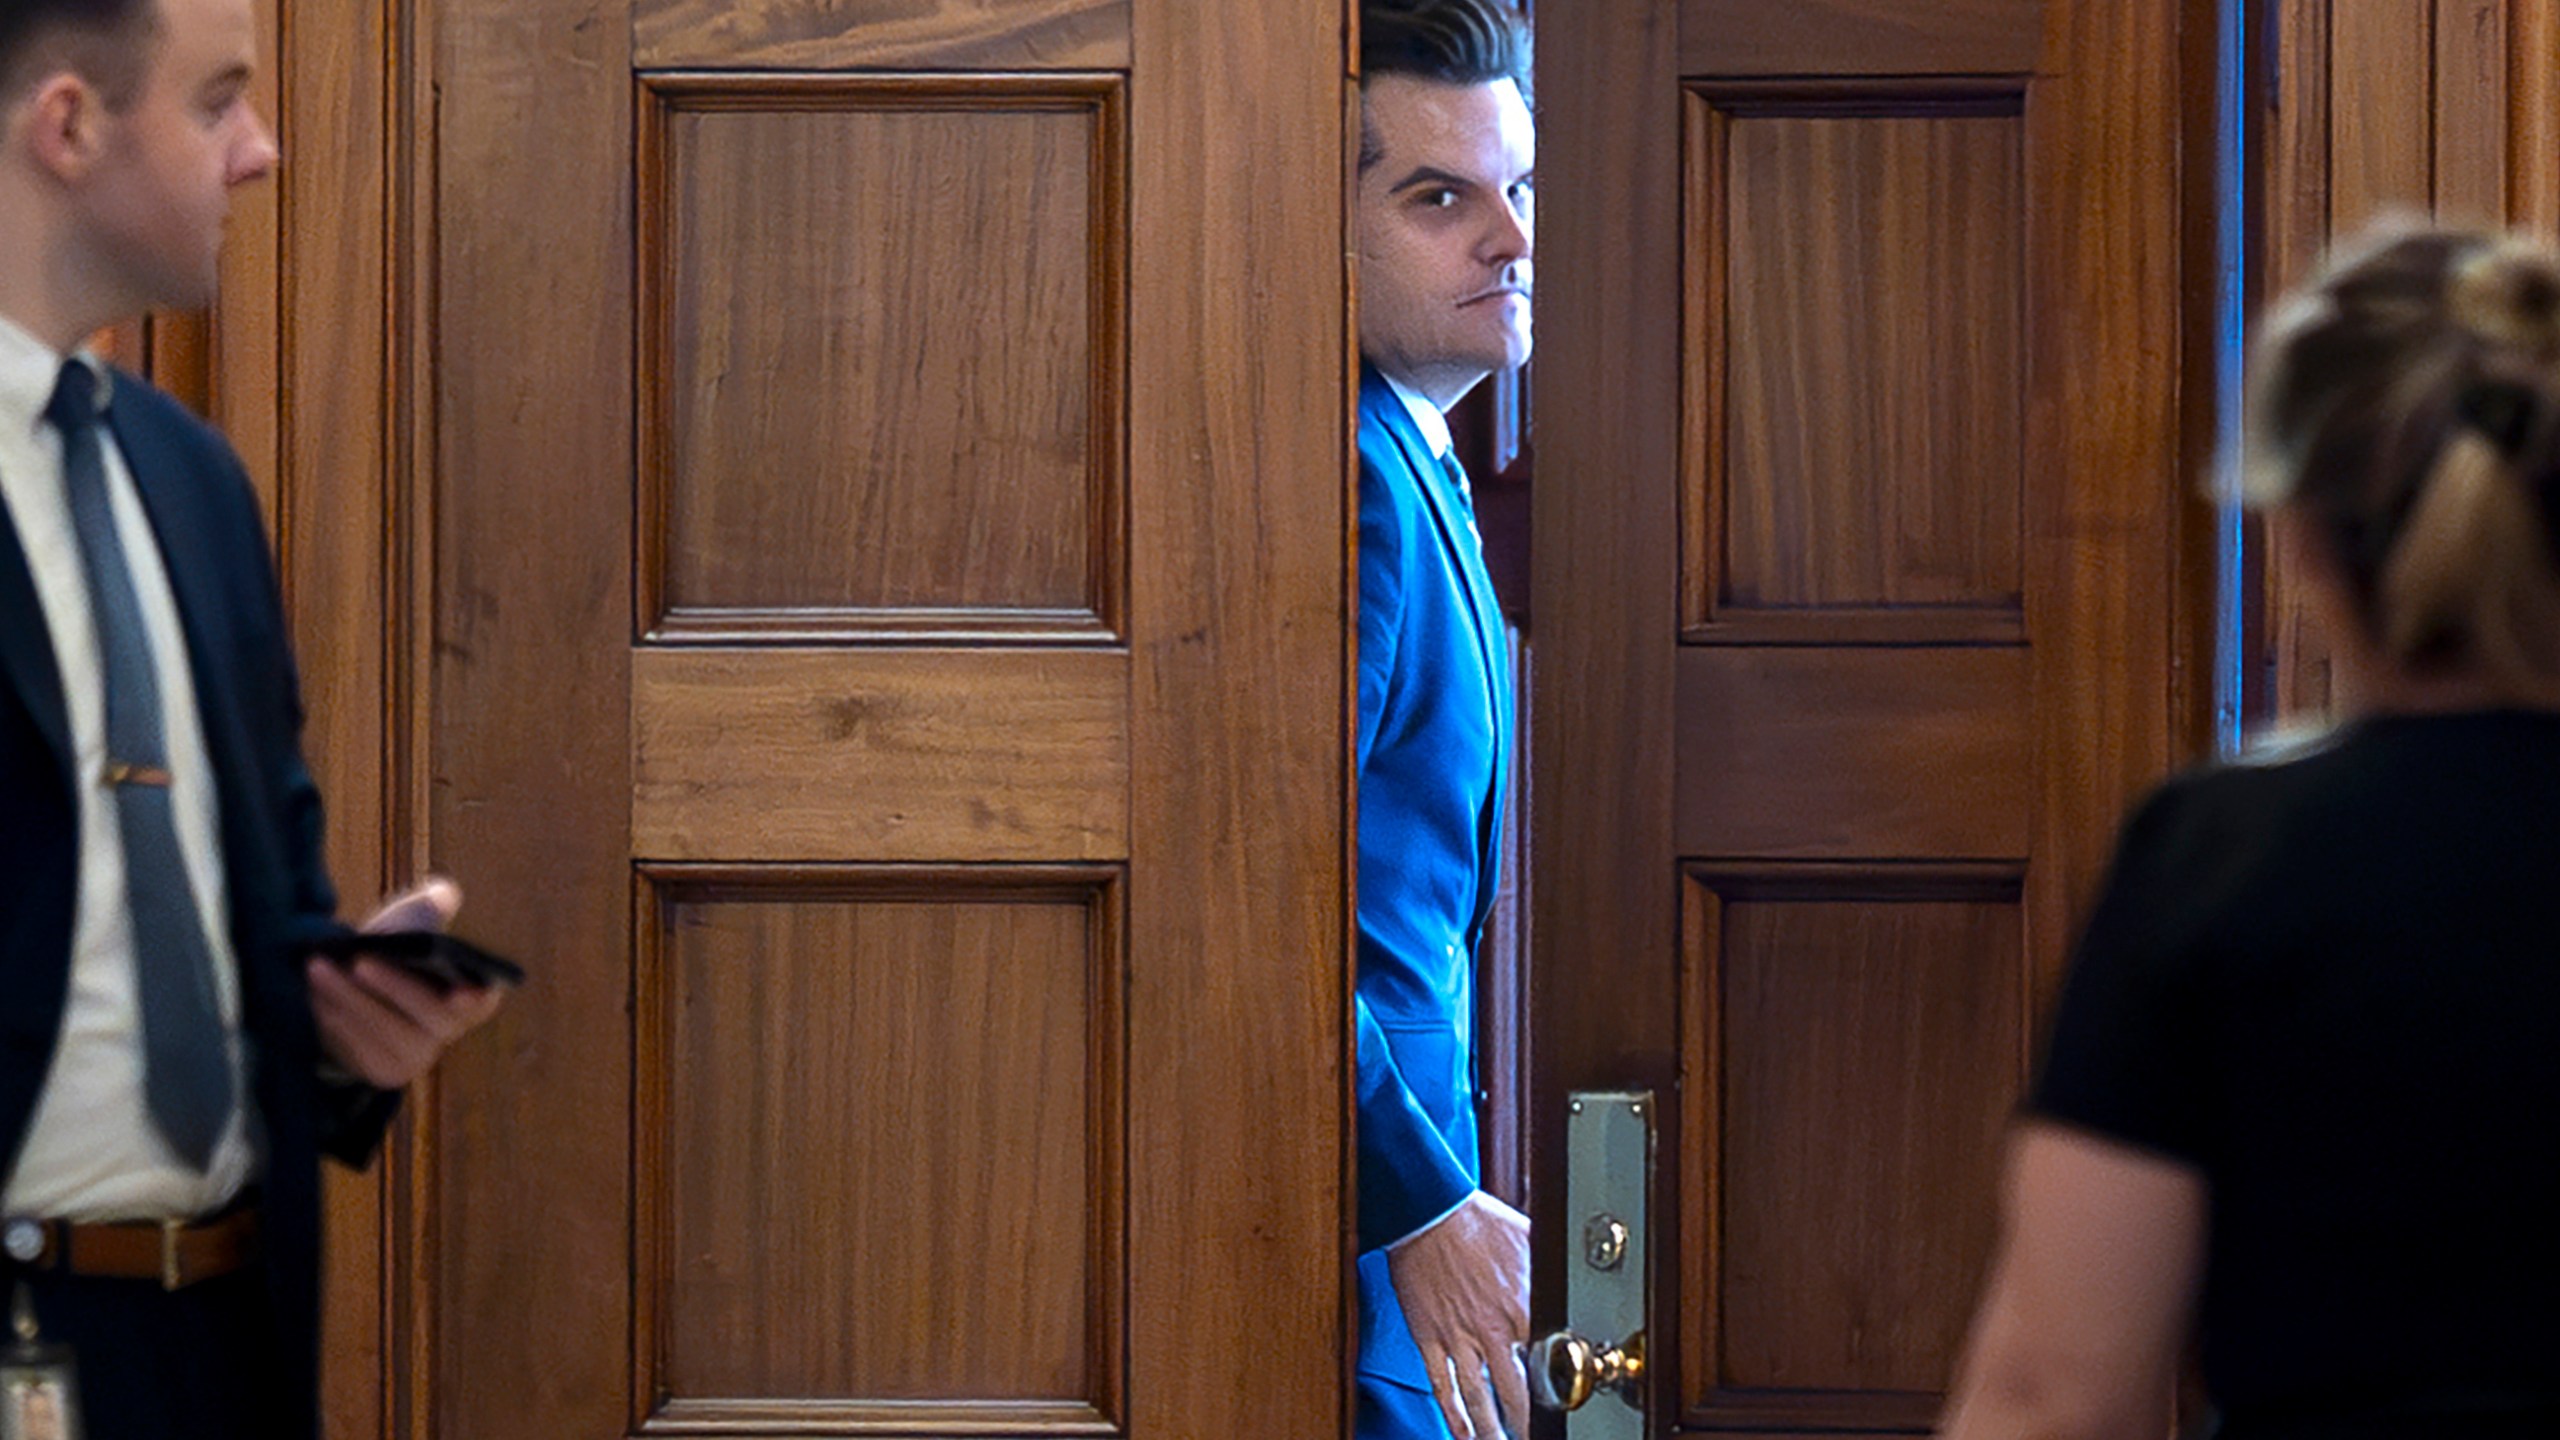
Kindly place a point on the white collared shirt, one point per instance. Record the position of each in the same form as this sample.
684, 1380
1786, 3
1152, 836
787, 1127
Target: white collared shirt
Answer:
1426, 418
91, 1151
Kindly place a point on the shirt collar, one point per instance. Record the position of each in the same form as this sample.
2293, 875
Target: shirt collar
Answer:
29, 371
1426, 418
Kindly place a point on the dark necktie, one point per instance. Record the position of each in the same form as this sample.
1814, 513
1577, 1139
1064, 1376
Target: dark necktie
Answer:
1457, 474
186, 1062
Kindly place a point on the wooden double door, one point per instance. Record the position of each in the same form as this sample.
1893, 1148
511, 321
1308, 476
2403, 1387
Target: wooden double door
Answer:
860, 599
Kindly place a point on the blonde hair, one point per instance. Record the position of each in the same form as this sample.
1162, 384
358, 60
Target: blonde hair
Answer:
2407, 402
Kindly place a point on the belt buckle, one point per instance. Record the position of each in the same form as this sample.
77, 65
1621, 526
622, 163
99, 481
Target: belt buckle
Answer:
173, 1275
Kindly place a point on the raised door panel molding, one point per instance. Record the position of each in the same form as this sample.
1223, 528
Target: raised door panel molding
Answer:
1855, 360
1861, 1031
881, 1174
881, 359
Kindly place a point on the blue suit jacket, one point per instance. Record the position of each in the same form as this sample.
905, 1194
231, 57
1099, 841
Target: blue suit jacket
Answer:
1434, 745
214, 547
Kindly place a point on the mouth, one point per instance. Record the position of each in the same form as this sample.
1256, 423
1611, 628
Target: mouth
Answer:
1496, 293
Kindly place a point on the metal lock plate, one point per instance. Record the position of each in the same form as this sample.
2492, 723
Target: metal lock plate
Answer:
1608, 1166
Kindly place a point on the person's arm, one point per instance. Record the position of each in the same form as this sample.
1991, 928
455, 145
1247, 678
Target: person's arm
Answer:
1459, 1257
2090, 1294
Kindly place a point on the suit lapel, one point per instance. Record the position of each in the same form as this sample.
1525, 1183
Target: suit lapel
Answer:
1482, 615
26, 648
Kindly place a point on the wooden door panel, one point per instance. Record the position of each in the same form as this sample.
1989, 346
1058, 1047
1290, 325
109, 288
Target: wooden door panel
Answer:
801, 434
1919, 419
915, 1203
1861, 1028
1866, 232
934, 262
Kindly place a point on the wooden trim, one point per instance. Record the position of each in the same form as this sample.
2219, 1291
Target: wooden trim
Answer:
1242, 615
1605, 578
2533, 109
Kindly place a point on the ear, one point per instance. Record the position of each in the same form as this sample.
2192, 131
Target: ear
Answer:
62, 124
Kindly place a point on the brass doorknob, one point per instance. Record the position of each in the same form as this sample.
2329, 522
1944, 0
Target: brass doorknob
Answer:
1566, 1370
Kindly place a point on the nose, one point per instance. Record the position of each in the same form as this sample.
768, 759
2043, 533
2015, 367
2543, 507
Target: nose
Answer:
257, 154
1511, 239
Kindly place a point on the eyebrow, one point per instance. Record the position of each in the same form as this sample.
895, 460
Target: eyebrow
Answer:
1430, 175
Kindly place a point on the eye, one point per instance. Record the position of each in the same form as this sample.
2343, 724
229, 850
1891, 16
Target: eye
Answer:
1439, 197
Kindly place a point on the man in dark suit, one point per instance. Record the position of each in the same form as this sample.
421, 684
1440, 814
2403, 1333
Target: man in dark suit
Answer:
172, 1061
1445, 222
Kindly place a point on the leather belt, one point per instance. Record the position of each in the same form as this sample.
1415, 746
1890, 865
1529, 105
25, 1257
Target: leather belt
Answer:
177, 1253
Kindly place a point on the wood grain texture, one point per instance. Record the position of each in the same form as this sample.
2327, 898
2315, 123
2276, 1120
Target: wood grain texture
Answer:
883, 318
1241, 378
1999, 759
528, 754
1872, 421
815, 755
883, 1115
2533, 116
882, 34
293, 361
1859, 37
1846, 1022
2105, 288
1604, 579
1872, 753
2382, 118
2470, 111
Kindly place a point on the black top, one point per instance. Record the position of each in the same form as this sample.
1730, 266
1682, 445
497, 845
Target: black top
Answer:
2331, 982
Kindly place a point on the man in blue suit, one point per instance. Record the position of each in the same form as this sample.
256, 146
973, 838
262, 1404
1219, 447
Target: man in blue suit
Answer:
1445, 222
172, 1063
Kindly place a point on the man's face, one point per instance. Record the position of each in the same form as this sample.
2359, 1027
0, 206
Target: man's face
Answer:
155, 205
1447, 220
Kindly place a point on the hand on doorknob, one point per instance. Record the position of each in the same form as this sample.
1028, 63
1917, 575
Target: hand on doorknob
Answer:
1464, 1285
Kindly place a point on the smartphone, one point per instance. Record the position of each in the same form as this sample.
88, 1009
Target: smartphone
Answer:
443, 961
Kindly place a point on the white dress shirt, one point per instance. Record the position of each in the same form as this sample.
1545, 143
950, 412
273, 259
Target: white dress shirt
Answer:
91, 1150
1426, 418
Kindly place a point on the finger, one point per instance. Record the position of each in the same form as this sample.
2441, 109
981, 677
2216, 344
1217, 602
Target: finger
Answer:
351, 1024
1477, 1394
404, 995
1511, 1387
1435, 1363
430, 904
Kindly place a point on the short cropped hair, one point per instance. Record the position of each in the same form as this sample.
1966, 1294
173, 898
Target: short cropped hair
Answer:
106, 41
1447, 42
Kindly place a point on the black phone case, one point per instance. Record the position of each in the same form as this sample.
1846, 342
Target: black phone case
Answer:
441, 960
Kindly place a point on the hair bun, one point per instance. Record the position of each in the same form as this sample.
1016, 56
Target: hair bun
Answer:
2509, 296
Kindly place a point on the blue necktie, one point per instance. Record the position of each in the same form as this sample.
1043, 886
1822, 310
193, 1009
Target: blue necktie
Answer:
186, 1062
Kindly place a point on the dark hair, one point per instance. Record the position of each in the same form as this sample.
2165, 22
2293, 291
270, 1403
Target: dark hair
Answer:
2407, 402
101, 39
1447, 42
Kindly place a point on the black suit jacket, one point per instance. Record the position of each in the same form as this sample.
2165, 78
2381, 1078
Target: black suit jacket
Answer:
214, 547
